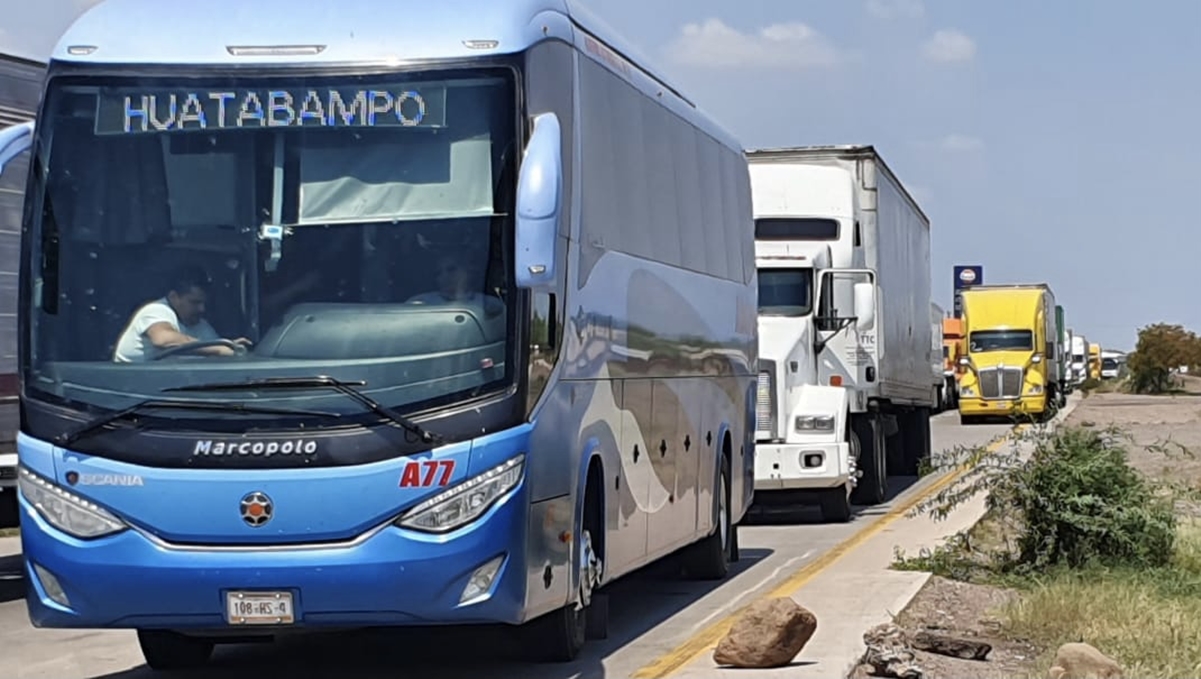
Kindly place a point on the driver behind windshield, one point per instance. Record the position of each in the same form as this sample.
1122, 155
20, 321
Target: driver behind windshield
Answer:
174, 320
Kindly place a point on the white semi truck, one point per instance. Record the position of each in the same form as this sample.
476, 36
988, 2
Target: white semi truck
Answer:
845, 391
941, 396
1065, 347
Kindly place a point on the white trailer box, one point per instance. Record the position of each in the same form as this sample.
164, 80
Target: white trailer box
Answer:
938, 374
843, 256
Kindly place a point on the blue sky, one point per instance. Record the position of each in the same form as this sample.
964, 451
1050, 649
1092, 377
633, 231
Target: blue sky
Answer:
1055, 141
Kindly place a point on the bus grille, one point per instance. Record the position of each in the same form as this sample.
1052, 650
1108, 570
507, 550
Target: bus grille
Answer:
1001, 382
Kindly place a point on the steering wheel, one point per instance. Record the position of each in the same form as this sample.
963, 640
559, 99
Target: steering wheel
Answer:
193, 346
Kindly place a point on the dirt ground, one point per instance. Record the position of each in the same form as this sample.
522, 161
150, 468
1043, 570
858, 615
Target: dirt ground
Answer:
973, 611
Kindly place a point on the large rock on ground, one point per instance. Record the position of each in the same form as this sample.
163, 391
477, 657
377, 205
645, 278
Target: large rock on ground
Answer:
1082, 661
769, 634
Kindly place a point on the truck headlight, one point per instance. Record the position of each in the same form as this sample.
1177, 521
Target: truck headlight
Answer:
465, 502
967, 391
66, 511
814, 423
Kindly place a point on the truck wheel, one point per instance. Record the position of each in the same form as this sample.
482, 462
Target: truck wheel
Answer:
710, 558
836, 502
873, 485
165, 650
917, 442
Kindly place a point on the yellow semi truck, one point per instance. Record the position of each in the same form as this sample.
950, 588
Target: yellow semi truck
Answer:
1010, 367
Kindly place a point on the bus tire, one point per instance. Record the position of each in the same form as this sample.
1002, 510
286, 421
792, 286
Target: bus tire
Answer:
559, 636
710, 558
165, 650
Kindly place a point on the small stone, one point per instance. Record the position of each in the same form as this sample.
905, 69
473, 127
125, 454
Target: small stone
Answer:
950, 646
769, 634
1083, 661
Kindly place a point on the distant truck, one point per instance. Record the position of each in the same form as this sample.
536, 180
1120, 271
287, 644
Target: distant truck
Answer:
1061, 352
1066, 344
1011, 332
1094, 361
941, 393
953, 347
843, 258
20, 91
1079, 358
1111, 364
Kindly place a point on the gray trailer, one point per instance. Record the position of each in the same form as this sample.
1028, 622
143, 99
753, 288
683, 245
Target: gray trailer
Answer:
20, 90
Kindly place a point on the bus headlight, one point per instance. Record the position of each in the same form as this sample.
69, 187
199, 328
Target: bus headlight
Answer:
465, 502
66, 511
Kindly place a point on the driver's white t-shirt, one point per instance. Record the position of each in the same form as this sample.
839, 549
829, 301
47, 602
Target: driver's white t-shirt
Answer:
135, 347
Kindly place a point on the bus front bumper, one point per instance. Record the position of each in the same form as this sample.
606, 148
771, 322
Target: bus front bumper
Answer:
395, 577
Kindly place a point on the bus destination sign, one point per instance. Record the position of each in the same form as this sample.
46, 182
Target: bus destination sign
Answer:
131, 111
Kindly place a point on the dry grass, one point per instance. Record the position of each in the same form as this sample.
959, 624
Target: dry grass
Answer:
1149, 621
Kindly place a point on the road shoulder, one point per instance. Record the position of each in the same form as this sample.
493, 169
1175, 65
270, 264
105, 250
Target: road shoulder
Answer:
849, 590
1023, 623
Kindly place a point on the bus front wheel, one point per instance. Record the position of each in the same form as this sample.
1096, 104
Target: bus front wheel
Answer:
560, 635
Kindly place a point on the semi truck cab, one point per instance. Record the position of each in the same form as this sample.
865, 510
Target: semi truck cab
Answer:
1010, 363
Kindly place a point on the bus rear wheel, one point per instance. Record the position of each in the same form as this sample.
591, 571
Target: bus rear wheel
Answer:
710, 558
165, 650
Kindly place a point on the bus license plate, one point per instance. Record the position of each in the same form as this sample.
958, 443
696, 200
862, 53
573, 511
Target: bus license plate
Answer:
259, 608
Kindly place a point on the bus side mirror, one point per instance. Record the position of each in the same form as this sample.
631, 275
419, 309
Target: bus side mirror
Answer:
14, 141
539, 201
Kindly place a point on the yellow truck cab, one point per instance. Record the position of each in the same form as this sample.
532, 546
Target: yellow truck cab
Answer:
1009, 366
1094, 361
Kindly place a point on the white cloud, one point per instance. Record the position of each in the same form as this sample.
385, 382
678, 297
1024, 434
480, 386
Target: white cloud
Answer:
890, 9
784, 45
949, 45
961, 143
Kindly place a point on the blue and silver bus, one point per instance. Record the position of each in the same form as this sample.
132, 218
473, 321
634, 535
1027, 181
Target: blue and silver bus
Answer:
340, 314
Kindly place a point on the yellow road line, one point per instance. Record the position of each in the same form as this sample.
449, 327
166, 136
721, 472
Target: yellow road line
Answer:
704, 641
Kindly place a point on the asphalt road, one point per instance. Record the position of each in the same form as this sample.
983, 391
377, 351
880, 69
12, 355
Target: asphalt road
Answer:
651, 613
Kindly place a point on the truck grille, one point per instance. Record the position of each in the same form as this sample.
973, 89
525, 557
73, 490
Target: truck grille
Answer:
765, 402
1001, 382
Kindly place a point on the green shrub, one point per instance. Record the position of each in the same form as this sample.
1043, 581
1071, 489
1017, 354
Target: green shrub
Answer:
1082, 504
1075, 503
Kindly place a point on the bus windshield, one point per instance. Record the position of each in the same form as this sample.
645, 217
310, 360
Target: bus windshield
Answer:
348, 226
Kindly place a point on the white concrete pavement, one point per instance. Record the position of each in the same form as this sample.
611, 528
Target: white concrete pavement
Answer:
657, 621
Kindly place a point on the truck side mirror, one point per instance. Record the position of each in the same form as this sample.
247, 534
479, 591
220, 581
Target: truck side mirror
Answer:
539, 200
14, 141
865, 306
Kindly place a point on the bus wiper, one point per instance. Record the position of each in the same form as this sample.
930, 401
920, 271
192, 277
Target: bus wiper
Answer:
318, 382
99, 422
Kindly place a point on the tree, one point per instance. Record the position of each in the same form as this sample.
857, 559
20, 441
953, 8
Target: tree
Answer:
1161, 349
